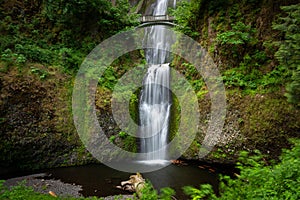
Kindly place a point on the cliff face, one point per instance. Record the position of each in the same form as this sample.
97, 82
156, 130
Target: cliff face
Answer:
258, 115
262, 122
36, 123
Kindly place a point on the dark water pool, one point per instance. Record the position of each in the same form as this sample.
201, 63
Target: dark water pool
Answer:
100, 180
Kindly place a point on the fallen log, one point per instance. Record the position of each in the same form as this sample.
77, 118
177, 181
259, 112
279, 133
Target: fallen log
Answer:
135, 184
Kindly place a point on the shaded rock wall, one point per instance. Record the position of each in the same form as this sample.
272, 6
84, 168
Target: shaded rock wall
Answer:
36, 121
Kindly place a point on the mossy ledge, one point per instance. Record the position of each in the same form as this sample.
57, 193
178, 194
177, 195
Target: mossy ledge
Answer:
264, 122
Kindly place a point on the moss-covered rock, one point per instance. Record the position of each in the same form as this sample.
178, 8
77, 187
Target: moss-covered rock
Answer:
36, 122
264, 122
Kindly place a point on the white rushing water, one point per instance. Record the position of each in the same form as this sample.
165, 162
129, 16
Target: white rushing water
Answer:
155, 99
161, 7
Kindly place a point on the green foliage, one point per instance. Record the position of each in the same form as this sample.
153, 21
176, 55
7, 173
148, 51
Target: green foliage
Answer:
238, 35
238, 78
112, 138
20, 60
149, 193
239, 46
253, 81
249, 77
90, 15
185, 17
34, 53
123, 134
216, 6
257, 180
293, 89
60, 32
69, 58
205, 191
166, 193
174, 119
219, 154
227, 29
236, 43
9, 57
42, 74
134, 106
109, 78
130, 144
193, 76
288, 53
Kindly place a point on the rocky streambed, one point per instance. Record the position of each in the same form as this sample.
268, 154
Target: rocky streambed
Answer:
42, 184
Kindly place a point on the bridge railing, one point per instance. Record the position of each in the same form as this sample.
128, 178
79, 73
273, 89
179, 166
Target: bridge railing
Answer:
149, 18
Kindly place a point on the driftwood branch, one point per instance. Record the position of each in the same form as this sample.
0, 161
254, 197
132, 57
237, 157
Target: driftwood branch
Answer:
135, 184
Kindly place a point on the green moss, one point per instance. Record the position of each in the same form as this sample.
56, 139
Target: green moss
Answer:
267, 122
175, 118
205, 32
134, 106
193, 151
112, 138
272, 111
130, 144
219, 154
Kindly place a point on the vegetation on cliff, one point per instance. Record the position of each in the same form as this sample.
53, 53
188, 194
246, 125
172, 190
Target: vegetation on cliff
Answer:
288, 53
42, 45
255, 45
244, 42
58, 33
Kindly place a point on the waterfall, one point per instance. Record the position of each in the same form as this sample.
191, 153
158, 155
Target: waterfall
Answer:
155, 98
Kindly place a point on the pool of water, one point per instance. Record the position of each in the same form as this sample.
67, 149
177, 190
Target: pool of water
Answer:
100, 180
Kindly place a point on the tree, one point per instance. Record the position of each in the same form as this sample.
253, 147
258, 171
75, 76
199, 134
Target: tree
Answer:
288, 53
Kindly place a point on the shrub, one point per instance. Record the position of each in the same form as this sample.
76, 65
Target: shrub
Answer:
123, 134
185, 17
258, 180
288, 53
149, 193
240, 34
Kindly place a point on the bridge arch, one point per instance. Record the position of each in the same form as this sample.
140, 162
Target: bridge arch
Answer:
149, 20
168, 23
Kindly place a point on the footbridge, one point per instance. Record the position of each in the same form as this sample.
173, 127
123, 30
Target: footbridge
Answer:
149, 20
